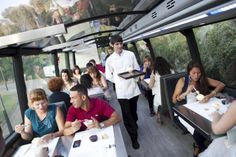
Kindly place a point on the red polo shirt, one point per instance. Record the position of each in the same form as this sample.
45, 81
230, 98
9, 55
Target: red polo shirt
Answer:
99, 109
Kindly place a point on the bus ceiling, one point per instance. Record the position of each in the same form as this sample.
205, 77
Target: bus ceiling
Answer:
132, 19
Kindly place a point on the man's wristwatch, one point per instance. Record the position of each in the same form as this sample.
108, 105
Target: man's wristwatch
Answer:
101, 125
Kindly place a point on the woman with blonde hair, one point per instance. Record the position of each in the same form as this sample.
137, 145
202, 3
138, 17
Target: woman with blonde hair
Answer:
41, 119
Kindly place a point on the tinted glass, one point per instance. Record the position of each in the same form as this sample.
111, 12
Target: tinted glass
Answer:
217, 44
22, 15
173, 47
37, 70
9, 106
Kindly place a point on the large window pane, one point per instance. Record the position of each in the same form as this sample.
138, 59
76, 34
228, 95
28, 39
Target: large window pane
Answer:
142, 49
9, 106
61, 61
37, 70
217, 46
173, 47
83, 55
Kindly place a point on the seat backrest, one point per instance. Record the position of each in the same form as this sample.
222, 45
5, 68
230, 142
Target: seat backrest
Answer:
230, 91
62, 106
168, 83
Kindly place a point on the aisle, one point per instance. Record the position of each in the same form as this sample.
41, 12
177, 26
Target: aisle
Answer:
155, 140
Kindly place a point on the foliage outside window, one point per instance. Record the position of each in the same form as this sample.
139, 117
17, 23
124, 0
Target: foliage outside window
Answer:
217, 46
37, 70
9, 106
173, 47
132, 48
142, 49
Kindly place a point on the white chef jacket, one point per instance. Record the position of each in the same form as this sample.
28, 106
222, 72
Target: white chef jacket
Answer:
119, 63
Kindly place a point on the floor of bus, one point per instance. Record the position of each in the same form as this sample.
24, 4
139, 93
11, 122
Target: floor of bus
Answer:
155, 140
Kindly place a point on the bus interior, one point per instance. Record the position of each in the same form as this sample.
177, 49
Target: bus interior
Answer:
39, 38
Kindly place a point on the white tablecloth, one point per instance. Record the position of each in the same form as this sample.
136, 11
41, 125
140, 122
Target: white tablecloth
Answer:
206, 109
203, 109
28, 150
104, 146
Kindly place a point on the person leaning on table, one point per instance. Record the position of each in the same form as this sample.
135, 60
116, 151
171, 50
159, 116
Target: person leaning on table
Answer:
222, 147
185, 90
98, 111
41, 119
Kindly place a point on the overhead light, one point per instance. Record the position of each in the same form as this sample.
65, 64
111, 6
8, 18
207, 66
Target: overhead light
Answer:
220, 10
185, 21
66, 49
81, 48
90, 42
63, 45
152, 32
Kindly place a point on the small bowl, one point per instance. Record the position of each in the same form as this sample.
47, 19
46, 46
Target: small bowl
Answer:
93, 138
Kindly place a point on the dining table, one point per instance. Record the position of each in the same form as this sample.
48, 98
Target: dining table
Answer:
197, 116
109, 143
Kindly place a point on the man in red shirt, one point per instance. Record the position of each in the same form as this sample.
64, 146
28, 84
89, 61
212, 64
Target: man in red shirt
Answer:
86, 113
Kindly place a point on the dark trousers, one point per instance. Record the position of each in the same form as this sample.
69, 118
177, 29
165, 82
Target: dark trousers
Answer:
150, 99
130, 117
200, 140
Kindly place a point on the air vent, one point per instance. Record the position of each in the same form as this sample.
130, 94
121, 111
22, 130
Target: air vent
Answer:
135, 26
170, 4
154, 14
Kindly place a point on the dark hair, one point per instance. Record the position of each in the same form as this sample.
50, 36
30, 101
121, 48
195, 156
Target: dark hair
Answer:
116, 38
110, 48
86, 80
162, 66
80, 89
93, 69
89, 65
68, 72
55, 84
76, 67
93, 61
202, 84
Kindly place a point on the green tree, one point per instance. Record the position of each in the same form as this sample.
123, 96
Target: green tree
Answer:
6, 69
173, 47
217, 45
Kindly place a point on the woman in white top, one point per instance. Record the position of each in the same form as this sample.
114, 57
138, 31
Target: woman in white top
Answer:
99, 81
77, 73
68, 82
161, 67
223, 146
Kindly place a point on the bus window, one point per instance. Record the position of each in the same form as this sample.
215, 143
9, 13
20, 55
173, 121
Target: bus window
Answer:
216, 44
83, 55
9, 106
37, 70
61, 61
173, 47
142, 49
